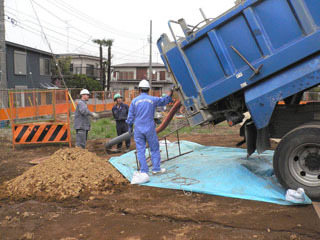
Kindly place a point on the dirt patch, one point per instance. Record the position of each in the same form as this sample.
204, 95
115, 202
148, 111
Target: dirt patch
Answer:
68, 173
138, 212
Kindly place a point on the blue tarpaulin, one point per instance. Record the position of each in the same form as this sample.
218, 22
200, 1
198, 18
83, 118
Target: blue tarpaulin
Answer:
221, 171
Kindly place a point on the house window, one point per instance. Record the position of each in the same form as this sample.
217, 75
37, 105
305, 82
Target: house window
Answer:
71, 67
141, 73
44, 66
89, 70
77, 69
20, 63
154, 75
126, 75
162, 75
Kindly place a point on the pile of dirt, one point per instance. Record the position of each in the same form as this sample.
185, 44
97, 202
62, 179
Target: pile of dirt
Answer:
68, 173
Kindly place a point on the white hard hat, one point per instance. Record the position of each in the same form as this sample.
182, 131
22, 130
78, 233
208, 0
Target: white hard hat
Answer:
84, 91
144, 84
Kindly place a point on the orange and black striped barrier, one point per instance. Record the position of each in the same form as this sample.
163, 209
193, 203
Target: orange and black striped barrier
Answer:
47, 132
51, 130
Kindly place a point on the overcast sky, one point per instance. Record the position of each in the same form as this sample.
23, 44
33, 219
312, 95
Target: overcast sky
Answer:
70, 25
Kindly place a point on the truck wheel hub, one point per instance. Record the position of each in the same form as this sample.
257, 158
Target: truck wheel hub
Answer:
304, 164
312, 161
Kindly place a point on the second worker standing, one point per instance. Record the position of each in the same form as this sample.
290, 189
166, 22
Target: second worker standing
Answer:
120, 114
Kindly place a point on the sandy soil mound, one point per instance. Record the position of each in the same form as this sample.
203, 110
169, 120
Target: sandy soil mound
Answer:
66, 174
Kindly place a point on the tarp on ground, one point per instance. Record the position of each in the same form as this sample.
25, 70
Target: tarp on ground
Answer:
221, 171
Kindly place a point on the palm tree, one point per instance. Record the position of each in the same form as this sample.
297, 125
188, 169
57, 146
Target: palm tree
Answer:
101, 43
109, 43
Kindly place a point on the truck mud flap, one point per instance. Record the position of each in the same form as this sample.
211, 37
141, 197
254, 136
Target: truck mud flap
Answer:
255, 139
250, 132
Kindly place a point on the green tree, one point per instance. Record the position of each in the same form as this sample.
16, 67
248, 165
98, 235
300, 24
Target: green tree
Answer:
74, 80
82, 81
64, 64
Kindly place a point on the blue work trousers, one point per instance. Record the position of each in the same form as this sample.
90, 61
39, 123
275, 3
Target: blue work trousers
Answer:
141, 137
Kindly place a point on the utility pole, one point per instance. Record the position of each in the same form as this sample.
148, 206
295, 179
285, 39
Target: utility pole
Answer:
109, 67
3, 67
150, 57
101, 67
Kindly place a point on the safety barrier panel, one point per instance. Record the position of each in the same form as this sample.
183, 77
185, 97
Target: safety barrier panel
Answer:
40, 103
46, 132
41, 116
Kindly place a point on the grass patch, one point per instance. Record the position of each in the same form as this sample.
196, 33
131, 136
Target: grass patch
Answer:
102, 128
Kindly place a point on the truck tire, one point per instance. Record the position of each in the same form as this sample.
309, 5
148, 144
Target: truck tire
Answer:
296, 160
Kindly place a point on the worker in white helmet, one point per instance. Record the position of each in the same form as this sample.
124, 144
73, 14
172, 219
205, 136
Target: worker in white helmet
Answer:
141, 114
81, 119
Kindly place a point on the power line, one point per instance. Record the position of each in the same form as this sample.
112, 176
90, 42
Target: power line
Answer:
83, 42
31, 17
62, 20
75, 12
130, 54
53, 56
38, 33
9, 9
50, 24
75, 39
27, 56
51, 30
59, 41
94, 22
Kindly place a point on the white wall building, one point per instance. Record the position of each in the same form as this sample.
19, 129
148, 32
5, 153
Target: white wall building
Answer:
127, 76
84, 64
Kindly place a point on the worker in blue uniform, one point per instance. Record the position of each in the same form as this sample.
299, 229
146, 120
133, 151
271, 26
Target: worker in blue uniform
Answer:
141, 114
120, 113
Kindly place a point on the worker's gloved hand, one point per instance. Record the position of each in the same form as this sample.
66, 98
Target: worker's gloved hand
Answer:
95, 115
170, 93
130, 129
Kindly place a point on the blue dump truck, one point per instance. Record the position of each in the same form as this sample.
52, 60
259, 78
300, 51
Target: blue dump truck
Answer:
247, 60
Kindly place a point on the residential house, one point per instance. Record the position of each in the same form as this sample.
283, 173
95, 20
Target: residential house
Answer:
126, 76
27, 67
83, 64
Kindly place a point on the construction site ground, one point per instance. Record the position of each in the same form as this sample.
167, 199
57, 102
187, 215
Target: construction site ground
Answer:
137, 212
